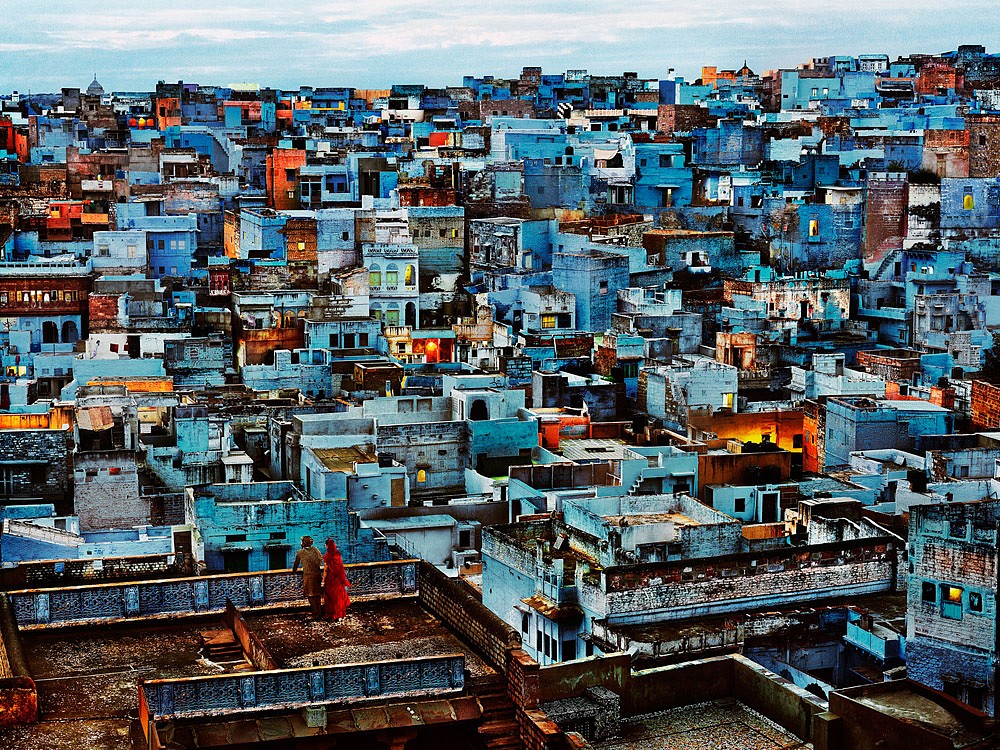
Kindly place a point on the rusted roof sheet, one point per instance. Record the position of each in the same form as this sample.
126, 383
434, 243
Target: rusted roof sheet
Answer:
551, 610
95, 418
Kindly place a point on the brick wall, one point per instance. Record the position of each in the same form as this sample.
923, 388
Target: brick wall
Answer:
984, 145
886, 217
48, 480
953, 548
985, 405
41, 574
439, 448
455, 604
106, 491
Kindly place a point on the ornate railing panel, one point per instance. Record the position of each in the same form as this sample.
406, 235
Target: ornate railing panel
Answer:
197, 696
176, 596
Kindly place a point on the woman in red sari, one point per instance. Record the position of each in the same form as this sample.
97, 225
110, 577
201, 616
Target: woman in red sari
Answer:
335, 583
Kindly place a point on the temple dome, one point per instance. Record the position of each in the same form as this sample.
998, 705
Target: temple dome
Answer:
95, 88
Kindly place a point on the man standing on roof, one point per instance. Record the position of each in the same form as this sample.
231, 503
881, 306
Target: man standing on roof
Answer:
311, 561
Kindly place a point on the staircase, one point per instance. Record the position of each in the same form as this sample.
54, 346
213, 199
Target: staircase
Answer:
220, 646
499, 728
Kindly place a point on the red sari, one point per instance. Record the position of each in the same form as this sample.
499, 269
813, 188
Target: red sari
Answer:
335, 586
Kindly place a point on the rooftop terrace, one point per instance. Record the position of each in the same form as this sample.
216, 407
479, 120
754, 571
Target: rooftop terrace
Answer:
724, 724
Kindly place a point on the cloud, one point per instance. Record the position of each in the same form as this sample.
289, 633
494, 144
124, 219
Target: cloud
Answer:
377, 42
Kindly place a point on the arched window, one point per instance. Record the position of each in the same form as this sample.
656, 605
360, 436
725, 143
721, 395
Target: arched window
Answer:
374, 275
50, 333
289, 319
410, 278
421, 476
479, 411
70, 333
391, 274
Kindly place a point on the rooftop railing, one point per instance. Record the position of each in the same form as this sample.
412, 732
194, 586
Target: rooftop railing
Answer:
175, 597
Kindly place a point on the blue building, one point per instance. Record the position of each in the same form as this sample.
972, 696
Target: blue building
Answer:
594, 278
250, 527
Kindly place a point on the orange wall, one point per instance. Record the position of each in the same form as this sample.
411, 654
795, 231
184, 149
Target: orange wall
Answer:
782, 426
278, 184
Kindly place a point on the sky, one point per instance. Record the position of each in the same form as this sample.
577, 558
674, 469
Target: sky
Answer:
48, 44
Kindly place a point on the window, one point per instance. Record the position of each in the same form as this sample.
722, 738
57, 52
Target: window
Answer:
975, 602
814, 227
957, 530
951, 601
409, 277
374, 278
291, 175
928, 592
740, 505
604, 287
421, 476
569, 650
548, 321
969, 202
392, 278
345, 235
796, 441
133, 251
524, 622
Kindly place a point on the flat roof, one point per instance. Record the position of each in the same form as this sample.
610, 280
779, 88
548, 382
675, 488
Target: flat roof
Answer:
637, 519
588, 449
343, 459
902, 702
87, 681
432, 521
721, 724
373, 631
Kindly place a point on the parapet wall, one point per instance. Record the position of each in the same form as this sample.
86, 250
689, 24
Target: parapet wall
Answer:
735, 582
18, 696
461, 610
115, 602
663, 688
